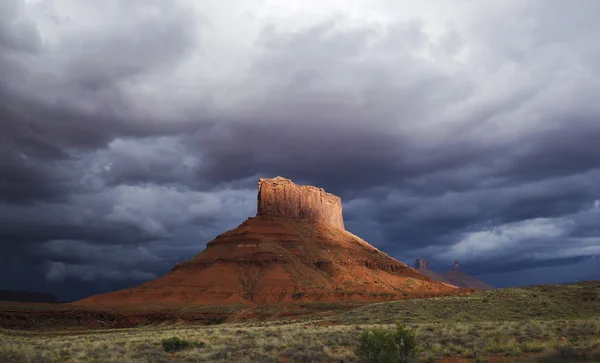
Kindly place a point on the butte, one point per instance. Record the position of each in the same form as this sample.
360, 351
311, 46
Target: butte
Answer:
295, 249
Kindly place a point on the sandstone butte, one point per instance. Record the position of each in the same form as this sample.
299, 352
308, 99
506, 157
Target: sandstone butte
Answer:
294, 250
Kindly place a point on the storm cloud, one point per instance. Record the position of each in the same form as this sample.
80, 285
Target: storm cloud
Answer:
133, 132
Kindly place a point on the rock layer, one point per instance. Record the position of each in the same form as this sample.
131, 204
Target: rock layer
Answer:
280, 197
269, 260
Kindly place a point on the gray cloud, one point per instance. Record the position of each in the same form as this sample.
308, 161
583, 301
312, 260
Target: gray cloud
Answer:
144, 126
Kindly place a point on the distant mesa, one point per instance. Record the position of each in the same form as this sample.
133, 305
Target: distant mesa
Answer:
26, 296
296, 249
454, 277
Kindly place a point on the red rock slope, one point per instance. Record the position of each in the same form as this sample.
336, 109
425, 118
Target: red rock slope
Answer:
294, 250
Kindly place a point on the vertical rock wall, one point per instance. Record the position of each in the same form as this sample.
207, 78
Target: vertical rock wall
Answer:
280, 197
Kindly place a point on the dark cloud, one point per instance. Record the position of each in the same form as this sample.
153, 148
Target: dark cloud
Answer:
133, 133
71, 95
570, 271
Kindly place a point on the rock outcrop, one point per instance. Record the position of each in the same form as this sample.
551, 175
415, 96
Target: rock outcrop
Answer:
454, 277
280, 197
422, 264
294, 250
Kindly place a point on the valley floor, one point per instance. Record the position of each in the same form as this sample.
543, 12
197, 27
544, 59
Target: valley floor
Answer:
551, 323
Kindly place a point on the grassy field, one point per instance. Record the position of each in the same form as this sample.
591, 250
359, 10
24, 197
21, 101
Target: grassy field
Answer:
542, 302
554, 323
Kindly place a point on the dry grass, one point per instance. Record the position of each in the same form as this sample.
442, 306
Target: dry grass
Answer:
520, 334
298, 342
542, 302
235, 342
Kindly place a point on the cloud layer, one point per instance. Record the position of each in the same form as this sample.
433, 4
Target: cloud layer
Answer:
134, 132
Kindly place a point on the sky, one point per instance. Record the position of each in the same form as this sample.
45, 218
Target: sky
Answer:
134, 132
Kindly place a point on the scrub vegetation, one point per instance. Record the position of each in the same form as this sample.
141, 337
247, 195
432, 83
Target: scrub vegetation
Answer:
550, 323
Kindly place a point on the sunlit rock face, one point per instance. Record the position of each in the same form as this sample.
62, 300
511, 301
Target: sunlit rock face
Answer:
280, 197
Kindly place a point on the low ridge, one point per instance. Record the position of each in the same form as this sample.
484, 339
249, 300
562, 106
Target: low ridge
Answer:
424, 267
454, 277
295, 250
460, 279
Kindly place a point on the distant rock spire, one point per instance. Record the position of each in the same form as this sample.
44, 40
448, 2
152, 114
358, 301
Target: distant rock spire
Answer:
422, 263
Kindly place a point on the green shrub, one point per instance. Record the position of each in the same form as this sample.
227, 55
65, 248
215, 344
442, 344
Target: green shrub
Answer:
174, 344
171, 345
384, 345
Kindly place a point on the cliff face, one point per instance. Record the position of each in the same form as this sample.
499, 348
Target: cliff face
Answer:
280, 197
